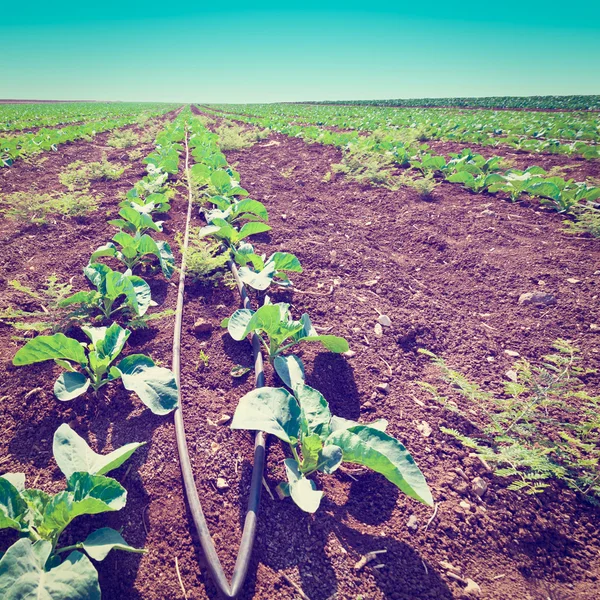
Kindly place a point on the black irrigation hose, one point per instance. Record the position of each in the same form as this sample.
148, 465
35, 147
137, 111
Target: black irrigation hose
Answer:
249, 533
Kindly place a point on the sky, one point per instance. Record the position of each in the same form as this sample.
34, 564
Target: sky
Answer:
235, 52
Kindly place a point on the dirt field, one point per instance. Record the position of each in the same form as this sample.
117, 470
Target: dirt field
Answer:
448, 273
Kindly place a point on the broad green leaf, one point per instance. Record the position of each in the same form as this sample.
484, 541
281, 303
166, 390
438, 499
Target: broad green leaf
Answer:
99, 543
339, 423
272, 410
315, 411
290, 370
155, 386
285, 261
112, 342
94, 494
17, 479
72, 454
251, 206
330, 459
12, 506
252, 228
108, 249
237, 325
333, 343
258, 281
70, 385
48, 347
383, 454
302, 490
311, 447
23, 575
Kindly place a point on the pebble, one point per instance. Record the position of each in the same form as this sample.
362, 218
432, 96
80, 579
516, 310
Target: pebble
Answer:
537, 298
479, 487
512, 353
412, 523
385, 320
512, 375
378, 329
222, 484
573, 280
449, 566
224, 418
464, 504
283, 217
202, 326
370, 283
472, 589
332, 257
349, 354
384, 388
595, 327
425, 428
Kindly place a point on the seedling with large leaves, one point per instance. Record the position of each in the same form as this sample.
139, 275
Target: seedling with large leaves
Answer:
137, 249
91, 365
238, 210
32, 566
258, 272
135, 222
321, 442
222, 230
278, 332
110, 287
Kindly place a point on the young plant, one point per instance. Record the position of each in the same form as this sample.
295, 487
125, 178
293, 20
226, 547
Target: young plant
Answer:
135, 222
236, 210
477, 183
321, 442
32, 566
274, 323
155, 386
110, 287
135, 250
222, 230
40, 209
263, 271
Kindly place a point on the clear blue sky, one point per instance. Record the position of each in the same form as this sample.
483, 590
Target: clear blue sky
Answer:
269, 51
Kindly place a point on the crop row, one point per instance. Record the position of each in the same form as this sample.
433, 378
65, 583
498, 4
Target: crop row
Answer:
472, 170
34, 565
556, 133
500, 102
14, 117
297, 414
28, 144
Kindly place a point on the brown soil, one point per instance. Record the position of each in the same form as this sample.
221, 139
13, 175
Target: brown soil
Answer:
448, 276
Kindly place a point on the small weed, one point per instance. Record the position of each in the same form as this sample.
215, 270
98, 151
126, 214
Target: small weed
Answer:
587, 220
287, 173
135, 155
234, 137
205, 261
78, 175
40, 208
202, 358
327, 177
545, 425
424, 186
123, 138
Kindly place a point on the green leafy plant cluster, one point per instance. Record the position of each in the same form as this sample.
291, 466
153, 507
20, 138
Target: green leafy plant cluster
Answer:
545, 426
472, 170
320, 442
26, 144
34, 565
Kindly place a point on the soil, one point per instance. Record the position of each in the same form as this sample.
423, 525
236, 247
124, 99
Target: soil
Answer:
448, 273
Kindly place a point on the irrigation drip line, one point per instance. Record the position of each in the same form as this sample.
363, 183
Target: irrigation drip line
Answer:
242, 562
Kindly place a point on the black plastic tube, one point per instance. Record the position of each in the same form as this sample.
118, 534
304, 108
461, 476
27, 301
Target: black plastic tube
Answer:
242, 562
